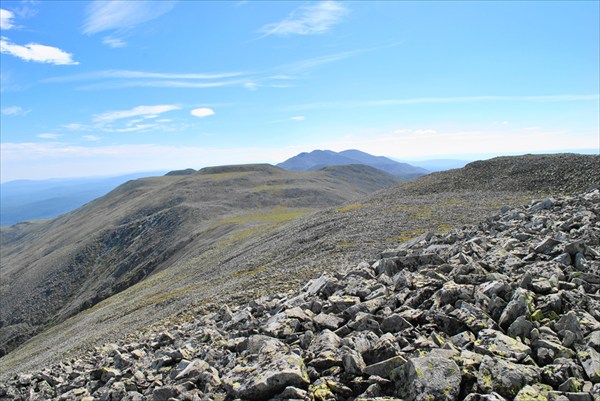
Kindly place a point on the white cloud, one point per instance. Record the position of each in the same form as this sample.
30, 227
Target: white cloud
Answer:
117, 15
76, 127
312, 19
298, 118
115, 43
36, 52
202, 112
48, 136
252, 86
134, 128
6, 18
144, 111
14, 111
129, 74
91, 138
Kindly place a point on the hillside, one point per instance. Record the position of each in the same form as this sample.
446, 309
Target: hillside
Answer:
502, 310
53, 270
320, 158
258, 254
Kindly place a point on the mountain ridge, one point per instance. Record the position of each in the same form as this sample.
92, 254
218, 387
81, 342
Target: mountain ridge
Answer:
94, 252
321, 158
274, 251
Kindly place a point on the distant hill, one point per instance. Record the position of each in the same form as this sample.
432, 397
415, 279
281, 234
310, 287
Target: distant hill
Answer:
24, 200
321, 158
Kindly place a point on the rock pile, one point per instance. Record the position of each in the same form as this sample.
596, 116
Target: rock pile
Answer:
506, 310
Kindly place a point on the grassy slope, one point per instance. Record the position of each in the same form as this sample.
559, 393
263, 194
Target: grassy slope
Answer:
53, 270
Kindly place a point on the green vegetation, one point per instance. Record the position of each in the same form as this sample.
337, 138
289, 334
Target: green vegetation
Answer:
278, 214
350, 208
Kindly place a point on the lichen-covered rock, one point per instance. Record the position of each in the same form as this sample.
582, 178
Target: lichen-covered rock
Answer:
590, 360
492, 342
428, 378
266, 375
521, 304
504, 377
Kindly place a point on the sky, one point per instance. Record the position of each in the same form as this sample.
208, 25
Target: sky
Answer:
102, 88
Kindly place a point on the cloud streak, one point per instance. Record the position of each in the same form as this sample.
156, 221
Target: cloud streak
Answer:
143, 111
14, 111
442, 100
119, 15
48, 136
37, 53
313, 19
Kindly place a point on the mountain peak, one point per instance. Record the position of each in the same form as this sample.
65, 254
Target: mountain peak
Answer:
321, 158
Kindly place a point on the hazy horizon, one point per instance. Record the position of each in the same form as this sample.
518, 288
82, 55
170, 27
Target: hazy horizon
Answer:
130, 86
467, 158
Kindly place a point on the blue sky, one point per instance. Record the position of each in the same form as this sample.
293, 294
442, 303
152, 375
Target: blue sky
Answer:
101, 88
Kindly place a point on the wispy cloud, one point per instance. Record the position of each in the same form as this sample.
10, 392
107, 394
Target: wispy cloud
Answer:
317, 61
48, 135
110, 15
116, 79
202, 112
91, 138
6, 19
115, 43
75, 127
312, 19
37, 53
433, 100
14, 111
143, 111
298, 118
128, 74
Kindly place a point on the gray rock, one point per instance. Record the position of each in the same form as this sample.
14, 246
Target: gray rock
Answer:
385, 368
427, 378
590, 360
165, 393
504, 377
394, 323
521, 304
353, 362
328, 321
593, 340
521, 328
569, 322
494, 343
266, 375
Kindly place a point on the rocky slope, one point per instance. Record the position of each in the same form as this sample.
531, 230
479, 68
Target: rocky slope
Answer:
53, 270
253, 253
504, 310
557, 173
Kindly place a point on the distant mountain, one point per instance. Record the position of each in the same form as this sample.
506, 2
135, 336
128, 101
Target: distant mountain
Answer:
321, 158
23, 200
